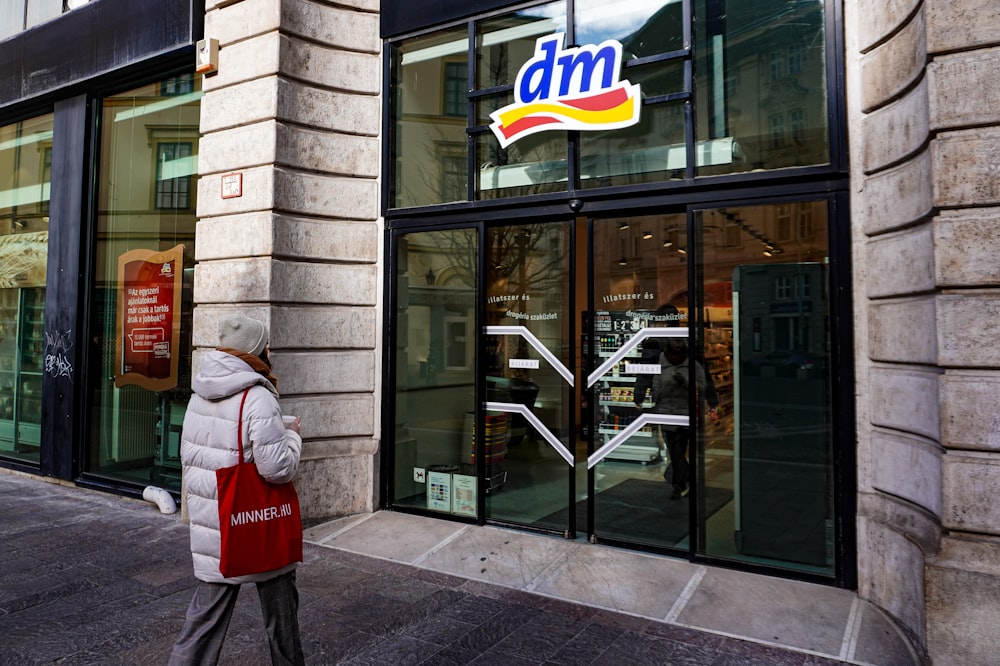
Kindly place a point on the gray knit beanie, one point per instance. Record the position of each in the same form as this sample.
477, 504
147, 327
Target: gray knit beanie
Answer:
243, 334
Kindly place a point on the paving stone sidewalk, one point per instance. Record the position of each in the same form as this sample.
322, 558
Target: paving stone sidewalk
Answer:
91, 578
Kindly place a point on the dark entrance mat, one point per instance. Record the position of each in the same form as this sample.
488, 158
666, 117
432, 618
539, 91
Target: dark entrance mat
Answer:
640, 510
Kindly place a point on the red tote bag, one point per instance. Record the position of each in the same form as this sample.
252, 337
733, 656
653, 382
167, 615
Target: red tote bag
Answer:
260, 521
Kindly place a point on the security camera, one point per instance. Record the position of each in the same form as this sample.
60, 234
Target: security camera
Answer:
575, 205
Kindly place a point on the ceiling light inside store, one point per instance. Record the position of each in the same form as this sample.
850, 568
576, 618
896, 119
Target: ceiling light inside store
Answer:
667, 243
647, 235
623, 262
623, 226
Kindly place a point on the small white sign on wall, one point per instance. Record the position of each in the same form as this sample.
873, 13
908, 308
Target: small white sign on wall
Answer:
525, 363
232, 185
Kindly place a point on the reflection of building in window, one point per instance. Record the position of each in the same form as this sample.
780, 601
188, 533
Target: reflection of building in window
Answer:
797, 286
791, 333
796, 58
776, 127
805, 223
802, 286
797, 125
456, 82
733, 235
46, 179
173, 191
457, 350
782, 288
453, 181
783, 226
776, 65
178, 85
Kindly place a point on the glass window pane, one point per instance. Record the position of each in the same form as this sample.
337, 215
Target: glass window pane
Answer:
761, 82
25, 180
653, 150
658, 78
643, 28
766, 331
504, 44
146, 202
531, 165
430, 119
435, 398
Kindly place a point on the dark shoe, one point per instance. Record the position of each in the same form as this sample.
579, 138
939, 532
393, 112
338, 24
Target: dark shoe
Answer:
685, 490
678, 493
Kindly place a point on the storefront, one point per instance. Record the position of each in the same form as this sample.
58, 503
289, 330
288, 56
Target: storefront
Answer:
98, 161
618, 246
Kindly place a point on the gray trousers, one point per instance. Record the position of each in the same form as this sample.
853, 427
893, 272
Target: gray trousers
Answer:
204, 631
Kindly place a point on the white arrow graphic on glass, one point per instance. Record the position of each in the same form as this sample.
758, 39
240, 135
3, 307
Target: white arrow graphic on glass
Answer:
643, 420
536, 344
631, 344
514, 408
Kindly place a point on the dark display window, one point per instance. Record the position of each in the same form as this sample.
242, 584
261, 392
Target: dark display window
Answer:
25, 181
145, 219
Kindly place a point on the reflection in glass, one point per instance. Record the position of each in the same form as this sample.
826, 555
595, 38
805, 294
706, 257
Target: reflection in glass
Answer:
652, 150
645, 28
430, 106
527, 286
505, 43
640, 282
763, 271
435, 370
761, 81
25, 180
665, 77
146, 200
532, 165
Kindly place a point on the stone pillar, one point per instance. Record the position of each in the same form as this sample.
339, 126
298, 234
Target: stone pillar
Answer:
925, 145
294, 109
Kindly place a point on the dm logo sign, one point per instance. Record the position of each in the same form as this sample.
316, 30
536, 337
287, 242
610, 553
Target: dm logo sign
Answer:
568, 89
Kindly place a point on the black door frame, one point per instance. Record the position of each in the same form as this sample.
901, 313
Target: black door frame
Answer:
841, 330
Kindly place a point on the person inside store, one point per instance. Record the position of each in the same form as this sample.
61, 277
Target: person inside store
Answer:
209, 442
669, 395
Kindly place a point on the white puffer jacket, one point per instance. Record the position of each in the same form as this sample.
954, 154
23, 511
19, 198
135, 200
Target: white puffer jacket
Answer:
209, 442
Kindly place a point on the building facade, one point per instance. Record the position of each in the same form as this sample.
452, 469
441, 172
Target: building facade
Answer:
450, 232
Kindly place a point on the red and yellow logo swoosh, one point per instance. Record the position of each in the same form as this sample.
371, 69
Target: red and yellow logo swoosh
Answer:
608, 109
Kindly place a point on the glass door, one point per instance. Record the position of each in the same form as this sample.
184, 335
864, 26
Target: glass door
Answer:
657, 381
528, 374
641, 381
763, 276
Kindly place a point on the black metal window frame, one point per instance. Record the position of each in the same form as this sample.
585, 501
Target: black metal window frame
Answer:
836, 167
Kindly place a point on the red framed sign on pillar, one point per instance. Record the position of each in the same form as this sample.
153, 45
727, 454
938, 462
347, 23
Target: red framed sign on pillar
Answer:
149, 318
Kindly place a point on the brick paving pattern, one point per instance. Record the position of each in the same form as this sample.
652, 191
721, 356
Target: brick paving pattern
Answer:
89, 578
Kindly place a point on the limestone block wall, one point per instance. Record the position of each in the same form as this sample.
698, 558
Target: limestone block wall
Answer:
924, 117
294, 109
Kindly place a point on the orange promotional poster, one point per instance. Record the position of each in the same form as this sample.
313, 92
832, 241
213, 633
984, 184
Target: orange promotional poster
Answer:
148, 329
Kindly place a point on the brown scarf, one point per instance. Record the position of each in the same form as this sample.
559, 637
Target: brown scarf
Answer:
254, 362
